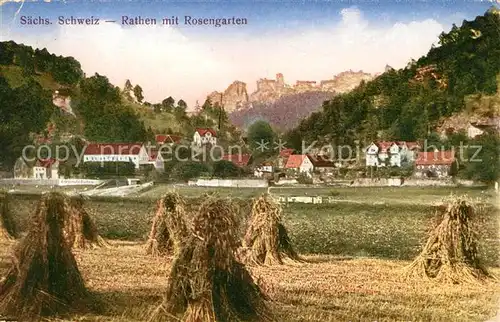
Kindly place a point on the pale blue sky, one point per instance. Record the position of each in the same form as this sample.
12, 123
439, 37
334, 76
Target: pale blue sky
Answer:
308, 40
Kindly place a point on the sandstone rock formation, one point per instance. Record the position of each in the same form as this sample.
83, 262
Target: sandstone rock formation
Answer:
268, 91
345, 81
233, 98
63, 102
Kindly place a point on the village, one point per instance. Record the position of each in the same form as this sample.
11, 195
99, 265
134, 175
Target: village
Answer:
380, 163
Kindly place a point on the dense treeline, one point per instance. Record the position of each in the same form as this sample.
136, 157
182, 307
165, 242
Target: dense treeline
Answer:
408, 104
64, 70
106, 117
23, 110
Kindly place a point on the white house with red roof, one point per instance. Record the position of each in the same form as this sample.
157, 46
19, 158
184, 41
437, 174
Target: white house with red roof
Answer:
204, 136
390, 153
116, 152
162, 139
435, 164
300, 163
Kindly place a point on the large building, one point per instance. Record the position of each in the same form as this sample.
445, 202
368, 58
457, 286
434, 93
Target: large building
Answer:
437, 164
117, 152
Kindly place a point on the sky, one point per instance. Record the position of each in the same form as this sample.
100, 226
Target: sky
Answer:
304, 40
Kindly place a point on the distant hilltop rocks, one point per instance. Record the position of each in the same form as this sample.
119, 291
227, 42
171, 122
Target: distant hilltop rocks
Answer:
236, 97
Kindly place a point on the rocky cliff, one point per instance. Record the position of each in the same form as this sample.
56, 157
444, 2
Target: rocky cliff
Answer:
233, 98
268, 91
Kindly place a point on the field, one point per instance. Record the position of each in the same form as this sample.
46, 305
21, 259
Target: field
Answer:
356, 249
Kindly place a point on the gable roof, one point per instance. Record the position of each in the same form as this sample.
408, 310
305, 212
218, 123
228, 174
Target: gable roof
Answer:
240, 160
435, 158
410, 144
295, 161
385, 145
204, 131
321, 161
113, 149
167, 138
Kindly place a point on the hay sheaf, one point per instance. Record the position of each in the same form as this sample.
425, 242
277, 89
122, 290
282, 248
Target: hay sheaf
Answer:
169, 225
7, 225
450, 254
206, 282
266, 241
44, 279
79, 229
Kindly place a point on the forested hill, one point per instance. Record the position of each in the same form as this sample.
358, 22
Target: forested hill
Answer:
28, 80
33, 82
409, 103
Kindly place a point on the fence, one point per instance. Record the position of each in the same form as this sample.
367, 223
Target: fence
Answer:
232, 183
51, 182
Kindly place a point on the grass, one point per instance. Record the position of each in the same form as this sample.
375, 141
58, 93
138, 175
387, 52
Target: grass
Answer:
326, 289
383, 231
396, 195
159, 122
14, 75
391, 231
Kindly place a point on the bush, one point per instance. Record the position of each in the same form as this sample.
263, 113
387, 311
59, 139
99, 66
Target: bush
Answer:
225, 169
189, 170
304, 178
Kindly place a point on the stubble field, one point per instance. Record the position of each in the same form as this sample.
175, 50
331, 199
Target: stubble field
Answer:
356, 256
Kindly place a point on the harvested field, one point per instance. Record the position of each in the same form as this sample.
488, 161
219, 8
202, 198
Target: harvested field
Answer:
392, 231
343, 289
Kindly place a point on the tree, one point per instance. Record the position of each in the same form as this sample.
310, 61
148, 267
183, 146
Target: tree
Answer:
168, 104
106, 118
189, 170
260, 133
128, 86
182, 104
138, 93
484, 159
180, 109
25, 109
225, 169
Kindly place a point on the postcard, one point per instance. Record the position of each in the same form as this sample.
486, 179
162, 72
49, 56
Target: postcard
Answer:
245, 160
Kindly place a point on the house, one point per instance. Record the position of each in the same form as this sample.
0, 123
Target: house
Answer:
321, 163
116, 152
36, 169
162, 139
283, 157
240, 160
393, 154
204, 136
408, 151
436, 164
46, 169
300, 163
264, 168
382, 153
